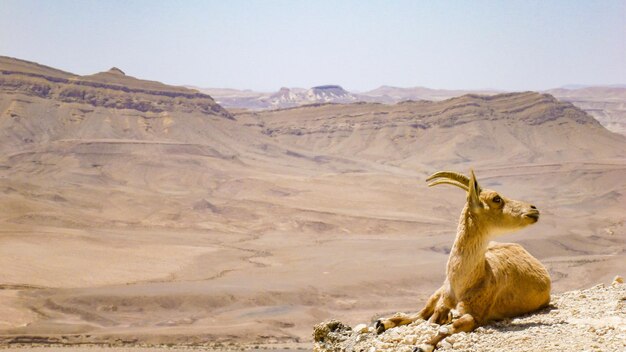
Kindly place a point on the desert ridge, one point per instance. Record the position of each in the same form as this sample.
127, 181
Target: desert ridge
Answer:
514, 128
604, 103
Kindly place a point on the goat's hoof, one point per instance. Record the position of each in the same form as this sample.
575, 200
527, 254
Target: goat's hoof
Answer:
380, 327
424, 348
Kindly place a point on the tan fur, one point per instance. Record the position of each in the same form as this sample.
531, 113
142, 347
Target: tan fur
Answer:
484, 280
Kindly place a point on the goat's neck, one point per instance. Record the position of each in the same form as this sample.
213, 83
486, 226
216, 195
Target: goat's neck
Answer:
466, 264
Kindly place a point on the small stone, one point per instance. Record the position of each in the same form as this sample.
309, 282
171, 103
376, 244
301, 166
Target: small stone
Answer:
445, 344
372, 349
461, 345
410, 340
394, 336
361, 329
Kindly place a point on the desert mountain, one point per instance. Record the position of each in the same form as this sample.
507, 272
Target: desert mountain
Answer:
284, 98
110, 89
292, 97
135, 211
240, 99
45, 108
329, 94
512, 128
398, 94
606, 104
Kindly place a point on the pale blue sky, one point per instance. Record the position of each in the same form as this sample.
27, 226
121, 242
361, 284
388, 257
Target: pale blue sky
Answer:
263, 45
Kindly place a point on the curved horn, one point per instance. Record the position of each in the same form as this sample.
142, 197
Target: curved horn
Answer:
449, 182
449, 177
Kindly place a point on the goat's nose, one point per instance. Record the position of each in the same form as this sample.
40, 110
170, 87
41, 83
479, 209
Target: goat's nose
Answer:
533, 207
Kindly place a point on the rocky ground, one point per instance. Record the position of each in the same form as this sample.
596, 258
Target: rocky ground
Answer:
593, 319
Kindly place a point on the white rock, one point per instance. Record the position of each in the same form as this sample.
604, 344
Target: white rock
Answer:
410, 340
361, 328
445, 344
394, 337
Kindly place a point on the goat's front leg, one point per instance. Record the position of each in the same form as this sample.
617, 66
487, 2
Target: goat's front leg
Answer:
431, 307
396, 320
465, 323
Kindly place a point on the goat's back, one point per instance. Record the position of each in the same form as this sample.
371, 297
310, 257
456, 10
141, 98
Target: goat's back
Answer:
522, 283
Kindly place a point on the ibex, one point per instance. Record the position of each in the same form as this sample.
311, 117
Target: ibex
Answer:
484, 280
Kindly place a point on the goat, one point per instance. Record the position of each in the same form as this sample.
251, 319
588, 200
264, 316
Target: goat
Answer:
484, 280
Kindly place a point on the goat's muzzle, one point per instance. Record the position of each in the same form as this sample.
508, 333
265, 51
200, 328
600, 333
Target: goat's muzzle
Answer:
533, 215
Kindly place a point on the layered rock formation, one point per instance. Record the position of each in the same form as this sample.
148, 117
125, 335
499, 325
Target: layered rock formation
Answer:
606, 104
285, 97
391, 94
525, 127
110, 89
330, 93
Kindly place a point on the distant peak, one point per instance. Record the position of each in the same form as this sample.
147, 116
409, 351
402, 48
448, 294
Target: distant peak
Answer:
116, 71
329, 86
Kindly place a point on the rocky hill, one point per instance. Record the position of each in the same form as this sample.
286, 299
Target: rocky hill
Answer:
243, 99
585, 320
284, 98
329, 94
398, 94
526, 127
41, 107
110, 89
606, 104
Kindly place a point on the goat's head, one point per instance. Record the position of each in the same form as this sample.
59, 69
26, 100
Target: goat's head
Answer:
495, 212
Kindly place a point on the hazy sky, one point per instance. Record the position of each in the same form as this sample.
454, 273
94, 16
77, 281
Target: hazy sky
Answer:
263, 45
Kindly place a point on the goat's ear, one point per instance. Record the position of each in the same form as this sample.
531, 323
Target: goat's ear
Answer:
473, 193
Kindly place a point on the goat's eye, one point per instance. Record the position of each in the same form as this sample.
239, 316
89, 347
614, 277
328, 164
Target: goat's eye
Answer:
497, 199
